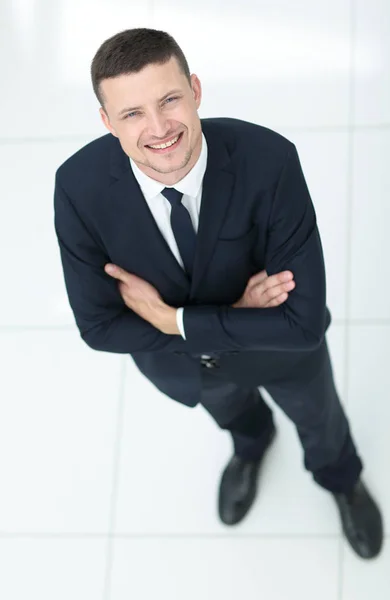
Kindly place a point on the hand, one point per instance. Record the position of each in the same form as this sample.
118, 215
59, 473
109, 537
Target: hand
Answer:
263, 291
145, 300
138, 294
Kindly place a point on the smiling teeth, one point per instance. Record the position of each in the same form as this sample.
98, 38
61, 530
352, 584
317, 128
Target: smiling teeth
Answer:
167, 144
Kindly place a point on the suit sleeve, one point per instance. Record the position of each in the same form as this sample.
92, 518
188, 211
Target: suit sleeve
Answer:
104, 321
293, 244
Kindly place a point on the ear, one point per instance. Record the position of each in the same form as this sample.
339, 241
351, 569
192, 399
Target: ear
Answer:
106, 121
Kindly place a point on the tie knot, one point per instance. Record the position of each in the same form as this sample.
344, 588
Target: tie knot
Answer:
173, 195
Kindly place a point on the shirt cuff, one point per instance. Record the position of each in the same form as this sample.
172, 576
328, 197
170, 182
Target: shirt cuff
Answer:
179, 321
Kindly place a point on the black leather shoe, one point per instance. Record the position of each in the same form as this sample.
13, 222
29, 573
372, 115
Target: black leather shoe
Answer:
238, 487
361, 521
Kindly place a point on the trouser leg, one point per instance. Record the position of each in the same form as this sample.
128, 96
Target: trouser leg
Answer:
241, 411
322, 426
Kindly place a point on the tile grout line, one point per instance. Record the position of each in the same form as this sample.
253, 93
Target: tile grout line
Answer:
115, 483
349, 197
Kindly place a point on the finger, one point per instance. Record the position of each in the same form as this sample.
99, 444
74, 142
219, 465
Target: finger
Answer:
271, 297
278, 279
277, 301
116, 272
257, 278
122, 289
124, 292
264, 294
274, 292
270, 281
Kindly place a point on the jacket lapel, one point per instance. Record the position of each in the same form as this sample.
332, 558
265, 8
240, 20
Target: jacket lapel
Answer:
134, 220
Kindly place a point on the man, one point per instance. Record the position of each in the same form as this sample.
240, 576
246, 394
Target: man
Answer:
193, 246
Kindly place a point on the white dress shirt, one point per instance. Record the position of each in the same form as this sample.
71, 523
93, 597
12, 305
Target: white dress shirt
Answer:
191, 186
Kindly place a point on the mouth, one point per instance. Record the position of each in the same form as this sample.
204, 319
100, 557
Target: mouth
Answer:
169, 148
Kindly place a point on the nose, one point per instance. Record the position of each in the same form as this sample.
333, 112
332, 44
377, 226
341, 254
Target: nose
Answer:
158, 128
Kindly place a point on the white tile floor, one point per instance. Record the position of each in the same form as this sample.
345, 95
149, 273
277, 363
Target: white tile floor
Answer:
89, 508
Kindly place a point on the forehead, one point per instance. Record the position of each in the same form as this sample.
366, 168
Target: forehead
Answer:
147, 85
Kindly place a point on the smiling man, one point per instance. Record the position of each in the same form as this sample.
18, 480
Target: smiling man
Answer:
192, 245
166, 156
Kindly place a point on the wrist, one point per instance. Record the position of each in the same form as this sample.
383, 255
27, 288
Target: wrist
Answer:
165, 319
158, 313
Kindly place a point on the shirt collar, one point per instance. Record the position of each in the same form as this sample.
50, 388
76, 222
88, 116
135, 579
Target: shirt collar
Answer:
189, 185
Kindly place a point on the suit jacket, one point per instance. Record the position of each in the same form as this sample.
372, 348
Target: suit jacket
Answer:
256, 213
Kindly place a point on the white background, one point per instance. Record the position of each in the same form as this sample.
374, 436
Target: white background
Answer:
98, 501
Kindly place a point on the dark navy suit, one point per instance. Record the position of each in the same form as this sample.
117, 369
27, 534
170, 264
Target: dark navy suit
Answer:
256, 213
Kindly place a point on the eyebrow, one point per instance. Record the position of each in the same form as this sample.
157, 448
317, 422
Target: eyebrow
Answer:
125, 110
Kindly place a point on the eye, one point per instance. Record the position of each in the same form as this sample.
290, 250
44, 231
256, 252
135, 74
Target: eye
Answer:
135, 112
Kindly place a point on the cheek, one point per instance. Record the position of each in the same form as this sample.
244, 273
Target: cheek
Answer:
130, 142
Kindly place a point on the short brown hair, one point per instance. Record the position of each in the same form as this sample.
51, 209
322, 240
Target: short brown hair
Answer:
130, 51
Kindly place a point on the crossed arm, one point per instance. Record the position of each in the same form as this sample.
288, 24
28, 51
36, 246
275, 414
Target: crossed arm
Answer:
293, 244
262, 291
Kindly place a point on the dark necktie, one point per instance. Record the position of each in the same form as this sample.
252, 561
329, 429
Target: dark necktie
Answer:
182, 228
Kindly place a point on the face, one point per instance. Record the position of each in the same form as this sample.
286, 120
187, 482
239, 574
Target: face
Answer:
137, 115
